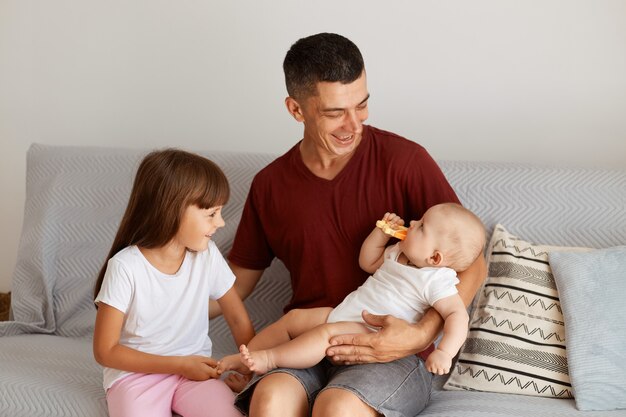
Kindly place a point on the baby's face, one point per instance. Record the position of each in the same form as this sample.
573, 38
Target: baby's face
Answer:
422, 239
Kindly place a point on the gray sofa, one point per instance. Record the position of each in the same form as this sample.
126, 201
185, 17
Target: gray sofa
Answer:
76, 196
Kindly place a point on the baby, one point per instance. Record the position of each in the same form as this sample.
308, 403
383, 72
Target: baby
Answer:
409, 277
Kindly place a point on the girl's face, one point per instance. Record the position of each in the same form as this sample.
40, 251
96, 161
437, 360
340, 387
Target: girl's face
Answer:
198, 225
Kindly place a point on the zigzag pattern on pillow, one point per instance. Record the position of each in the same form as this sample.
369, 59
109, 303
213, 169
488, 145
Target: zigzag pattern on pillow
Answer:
516, 339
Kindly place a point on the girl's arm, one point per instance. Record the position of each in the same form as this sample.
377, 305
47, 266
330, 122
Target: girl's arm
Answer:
108, 352
236, 316
373, 248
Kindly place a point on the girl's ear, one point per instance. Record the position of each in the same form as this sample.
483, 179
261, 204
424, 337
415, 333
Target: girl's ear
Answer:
436, 258
294, 109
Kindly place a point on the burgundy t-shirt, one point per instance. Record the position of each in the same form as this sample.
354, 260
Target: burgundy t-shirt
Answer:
317, 226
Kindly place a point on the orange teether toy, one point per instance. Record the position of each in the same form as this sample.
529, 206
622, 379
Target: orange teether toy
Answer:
399, 232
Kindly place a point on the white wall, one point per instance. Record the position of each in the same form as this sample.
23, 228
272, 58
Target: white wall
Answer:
539, 81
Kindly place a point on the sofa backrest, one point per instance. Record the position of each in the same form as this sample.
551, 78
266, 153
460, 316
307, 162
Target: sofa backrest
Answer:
75, 197
550, 205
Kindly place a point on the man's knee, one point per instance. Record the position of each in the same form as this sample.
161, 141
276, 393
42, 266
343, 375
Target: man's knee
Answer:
338, 402
279, 394
265, 392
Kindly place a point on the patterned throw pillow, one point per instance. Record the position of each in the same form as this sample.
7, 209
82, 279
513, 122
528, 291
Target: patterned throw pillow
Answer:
516, 340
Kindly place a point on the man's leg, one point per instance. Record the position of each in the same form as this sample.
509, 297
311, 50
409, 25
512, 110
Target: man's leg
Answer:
279, 394
340, 402
395, 389
288, 392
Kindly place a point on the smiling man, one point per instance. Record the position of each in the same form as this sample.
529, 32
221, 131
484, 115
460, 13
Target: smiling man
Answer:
312, 208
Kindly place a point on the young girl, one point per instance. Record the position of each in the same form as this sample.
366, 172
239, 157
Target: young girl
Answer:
152, 294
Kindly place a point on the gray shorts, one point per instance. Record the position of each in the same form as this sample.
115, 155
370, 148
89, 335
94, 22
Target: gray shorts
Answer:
396, 389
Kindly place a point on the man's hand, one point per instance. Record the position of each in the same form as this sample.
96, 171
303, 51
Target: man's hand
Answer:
395, 339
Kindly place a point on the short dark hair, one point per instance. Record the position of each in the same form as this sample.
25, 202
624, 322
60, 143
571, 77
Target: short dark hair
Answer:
321, 57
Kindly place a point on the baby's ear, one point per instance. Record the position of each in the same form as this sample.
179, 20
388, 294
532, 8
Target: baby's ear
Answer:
435, 259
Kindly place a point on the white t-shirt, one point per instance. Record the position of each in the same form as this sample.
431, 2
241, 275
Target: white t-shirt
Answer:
164, 314
402, 291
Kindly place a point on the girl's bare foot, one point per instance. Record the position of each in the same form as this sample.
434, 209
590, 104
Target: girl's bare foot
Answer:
260, 361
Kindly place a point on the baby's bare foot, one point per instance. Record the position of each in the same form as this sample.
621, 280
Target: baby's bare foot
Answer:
232, 363
259, 361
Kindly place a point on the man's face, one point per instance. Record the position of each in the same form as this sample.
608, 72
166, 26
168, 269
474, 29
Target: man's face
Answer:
333, 119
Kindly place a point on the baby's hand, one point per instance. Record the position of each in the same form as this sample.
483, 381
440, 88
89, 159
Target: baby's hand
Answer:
439, 362
393, 220
392, 225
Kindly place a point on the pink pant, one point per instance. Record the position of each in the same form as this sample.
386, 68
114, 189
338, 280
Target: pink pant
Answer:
157, 395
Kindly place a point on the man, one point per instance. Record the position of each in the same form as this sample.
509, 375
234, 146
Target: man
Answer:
312, 208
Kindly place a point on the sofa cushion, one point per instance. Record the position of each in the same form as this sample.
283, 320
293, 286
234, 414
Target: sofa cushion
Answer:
49, 376
516, 340
591, 289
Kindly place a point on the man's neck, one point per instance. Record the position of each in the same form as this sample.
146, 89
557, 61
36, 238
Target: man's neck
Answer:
322, 164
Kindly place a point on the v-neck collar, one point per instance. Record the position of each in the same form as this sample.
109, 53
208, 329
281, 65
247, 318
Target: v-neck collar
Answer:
356, 156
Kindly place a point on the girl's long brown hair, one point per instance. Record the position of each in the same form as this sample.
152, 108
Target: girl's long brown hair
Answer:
167, 182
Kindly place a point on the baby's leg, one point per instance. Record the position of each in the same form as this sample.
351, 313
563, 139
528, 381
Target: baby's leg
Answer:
304, 351
289, 326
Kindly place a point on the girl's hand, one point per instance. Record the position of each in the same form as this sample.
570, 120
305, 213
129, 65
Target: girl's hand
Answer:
198, 368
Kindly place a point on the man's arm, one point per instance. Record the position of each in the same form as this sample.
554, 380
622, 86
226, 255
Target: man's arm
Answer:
397, 338
246, 280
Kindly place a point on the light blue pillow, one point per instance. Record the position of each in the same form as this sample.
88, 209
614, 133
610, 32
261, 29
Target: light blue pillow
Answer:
592, 290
